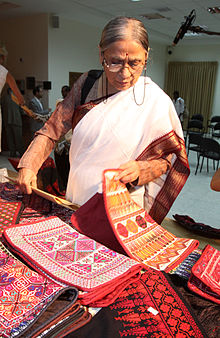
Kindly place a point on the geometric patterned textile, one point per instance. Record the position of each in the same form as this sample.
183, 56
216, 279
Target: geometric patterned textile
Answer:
184, 268
140, 236
55, 248
24, 294
205, 275
10, 213
35, 207
150, 307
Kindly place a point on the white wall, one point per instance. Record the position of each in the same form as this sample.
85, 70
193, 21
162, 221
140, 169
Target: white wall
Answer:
26, 39
51, 53
197, 54
156, 64
73, 47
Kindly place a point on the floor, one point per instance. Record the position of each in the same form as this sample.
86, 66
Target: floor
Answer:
196, 198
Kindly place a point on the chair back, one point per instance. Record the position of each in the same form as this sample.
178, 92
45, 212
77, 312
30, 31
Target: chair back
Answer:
216, 130
210, 146
195, 138
215, 118
195, 125
197, 117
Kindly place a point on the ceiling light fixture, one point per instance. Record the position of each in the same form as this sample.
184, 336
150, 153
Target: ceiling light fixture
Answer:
213, 10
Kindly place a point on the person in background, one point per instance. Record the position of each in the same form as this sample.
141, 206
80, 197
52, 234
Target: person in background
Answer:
65, 91
61, 151
6, 77
127, 122
179, 105
215, 181
35, 104
32, 125
12, 121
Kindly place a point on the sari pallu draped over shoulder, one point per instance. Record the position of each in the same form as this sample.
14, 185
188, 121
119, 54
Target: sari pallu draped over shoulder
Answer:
119, 130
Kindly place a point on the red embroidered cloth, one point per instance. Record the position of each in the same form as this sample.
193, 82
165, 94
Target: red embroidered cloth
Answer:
205, 275
10, 213
150, 307
55, 248
24, 294
127, 228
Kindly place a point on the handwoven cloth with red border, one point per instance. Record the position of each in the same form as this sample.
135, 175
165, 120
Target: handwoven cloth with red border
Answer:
127, 228
150, 307
205, 275
56, 249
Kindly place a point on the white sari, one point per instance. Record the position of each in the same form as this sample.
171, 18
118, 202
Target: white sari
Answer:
117, 131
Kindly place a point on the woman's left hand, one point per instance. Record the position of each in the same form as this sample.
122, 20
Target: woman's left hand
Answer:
130, 171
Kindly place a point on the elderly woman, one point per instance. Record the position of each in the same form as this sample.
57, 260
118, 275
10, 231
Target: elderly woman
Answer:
127, 122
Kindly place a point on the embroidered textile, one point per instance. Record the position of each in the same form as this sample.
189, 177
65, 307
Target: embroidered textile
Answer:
10, 213
184, 268
205, 276
24, 294
206, 311
70, 257
140, 236
150, 307
35, 207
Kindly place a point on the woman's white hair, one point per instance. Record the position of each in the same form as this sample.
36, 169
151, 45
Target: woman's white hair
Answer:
123, 28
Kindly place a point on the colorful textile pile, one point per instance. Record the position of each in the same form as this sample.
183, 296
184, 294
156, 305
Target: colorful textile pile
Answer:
150, 307
56, 249
10, 213
205, 276
25, 295
136, 232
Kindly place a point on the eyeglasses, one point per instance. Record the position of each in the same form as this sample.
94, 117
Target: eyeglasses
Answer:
134, 66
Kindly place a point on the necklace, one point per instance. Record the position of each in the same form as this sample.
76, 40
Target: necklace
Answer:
137, 103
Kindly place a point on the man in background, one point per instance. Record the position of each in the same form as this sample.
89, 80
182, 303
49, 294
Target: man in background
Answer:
32, 125
179, 105
35, 104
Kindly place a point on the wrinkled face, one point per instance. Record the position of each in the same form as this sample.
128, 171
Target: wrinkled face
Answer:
128, 58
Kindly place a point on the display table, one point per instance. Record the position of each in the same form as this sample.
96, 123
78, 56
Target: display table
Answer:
176, 229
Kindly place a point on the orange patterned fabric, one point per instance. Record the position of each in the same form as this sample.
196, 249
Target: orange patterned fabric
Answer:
139, 235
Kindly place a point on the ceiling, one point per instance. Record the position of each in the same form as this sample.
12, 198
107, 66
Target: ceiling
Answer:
99, 12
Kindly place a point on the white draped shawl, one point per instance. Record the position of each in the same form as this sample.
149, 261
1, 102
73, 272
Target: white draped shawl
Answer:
118, 131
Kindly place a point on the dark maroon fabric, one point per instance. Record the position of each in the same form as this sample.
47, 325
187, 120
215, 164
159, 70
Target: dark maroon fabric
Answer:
91, 220
198, 228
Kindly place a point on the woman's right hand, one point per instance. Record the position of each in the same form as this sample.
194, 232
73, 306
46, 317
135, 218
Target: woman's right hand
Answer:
27, 179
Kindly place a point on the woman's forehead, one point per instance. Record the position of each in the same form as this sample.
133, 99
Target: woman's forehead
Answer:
125, 48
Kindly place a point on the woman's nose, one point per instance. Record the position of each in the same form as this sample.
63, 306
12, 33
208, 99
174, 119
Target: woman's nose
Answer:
125, 72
